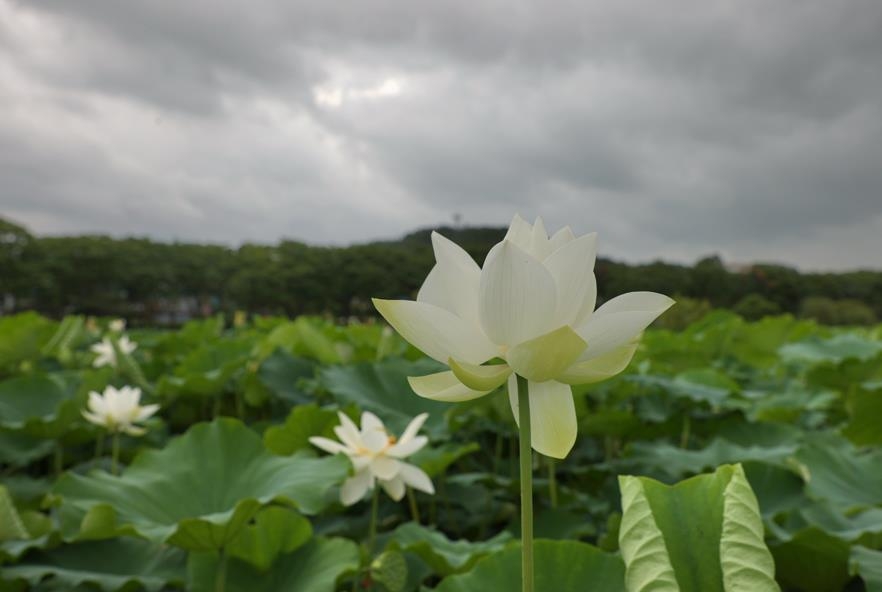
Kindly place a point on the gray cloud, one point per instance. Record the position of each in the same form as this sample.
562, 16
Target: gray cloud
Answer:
740, 127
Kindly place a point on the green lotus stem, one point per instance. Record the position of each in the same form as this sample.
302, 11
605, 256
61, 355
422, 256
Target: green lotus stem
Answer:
375, 506
684, 434
114, 453
526, 458
552, 481
414, 509
220, 580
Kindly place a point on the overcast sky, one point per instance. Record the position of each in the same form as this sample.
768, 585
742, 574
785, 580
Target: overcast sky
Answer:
749, 128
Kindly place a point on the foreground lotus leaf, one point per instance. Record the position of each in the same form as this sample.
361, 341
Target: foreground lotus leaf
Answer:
198, 492
39, 404
124, 563
11, 525
382, 388
303, 422
704, 534
275, 530
841, 473
561, 566
23, 336
443, 555
206, 370
813, 561
868, 564
314, 567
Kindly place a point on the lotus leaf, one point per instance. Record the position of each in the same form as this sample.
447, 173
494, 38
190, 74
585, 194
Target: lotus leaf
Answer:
704, 534
200, 491
109, 565
561, 566
314, 567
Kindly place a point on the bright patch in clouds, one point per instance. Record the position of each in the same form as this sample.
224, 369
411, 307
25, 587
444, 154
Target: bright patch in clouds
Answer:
335, 96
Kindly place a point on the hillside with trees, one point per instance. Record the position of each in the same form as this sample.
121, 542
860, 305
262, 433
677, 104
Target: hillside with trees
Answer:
157, 282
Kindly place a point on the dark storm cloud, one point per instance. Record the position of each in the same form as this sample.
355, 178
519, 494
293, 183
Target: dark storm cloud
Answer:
748, 128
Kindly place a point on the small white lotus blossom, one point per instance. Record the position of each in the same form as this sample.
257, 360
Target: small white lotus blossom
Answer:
377, 456
117, 325
106, 352
531, 306
119, 410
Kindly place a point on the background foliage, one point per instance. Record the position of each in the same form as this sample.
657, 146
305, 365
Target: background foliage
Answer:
221, 469
169, 282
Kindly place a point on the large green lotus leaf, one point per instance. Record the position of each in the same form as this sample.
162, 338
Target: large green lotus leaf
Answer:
443, 555
11, 525
275, 530
19, 450
673, 462
382, 387
110, 565
757, 344
303, 422
701, 343
704, 534
812, 561
844, 375
777, 489
867, 564
374, 342
836, 349
841, 473
790, 405
23, 336
700, 385
22, 530
314, 567
560, 566
848, 527
764, 435
206, 370
169, 347
41, 405
302, 338
280, 374
561, 524
865, 410
200, 491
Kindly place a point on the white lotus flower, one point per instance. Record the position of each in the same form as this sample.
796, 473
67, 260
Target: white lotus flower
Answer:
377, 456
117, 325
531, 306
119, 410
106, 352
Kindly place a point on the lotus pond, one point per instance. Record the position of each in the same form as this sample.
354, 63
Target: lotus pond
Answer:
223, 487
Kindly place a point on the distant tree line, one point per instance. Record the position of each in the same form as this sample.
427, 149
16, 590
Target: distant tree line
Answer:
144, 280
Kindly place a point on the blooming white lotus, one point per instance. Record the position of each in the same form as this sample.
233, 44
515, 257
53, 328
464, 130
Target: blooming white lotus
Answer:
107, 353
376, 456
532, 308
119, 410
117, 325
